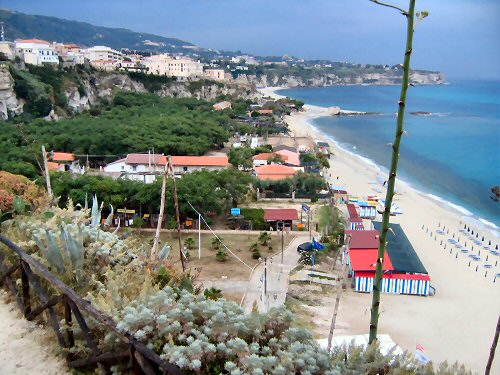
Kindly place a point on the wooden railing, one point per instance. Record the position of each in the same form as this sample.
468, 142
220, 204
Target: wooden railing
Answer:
138, 357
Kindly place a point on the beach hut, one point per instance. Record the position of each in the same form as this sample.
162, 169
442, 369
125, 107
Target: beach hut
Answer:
339, 193
367, 210
282, 216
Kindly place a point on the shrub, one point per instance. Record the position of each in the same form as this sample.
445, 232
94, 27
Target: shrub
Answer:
256, 254
138, 222
221, 255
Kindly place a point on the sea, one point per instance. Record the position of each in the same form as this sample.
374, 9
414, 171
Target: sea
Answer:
451, 148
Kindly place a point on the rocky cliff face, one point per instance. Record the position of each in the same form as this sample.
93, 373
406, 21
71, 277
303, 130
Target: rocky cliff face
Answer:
97, 86
390, 78
208, 90
10, 105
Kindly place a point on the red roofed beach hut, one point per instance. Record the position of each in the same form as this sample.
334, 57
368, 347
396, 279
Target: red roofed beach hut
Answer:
284, 216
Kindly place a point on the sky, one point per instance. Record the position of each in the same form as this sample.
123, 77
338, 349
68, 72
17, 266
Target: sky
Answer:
459, 38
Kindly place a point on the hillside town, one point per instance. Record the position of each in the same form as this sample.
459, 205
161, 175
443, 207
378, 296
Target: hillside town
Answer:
144, 223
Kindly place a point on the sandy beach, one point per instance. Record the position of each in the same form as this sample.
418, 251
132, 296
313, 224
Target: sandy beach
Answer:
459, 321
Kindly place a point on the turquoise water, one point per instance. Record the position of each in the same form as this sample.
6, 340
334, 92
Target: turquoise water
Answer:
452, 153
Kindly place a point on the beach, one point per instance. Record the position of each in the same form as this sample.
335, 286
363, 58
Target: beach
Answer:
457, 323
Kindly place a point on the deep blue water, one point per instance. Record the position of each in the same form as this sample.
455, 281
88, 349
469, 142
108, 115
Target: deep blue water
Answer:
453, 153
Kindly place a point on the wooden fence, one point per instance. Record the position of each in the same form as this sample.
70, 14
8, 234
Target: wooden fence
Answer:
139, 358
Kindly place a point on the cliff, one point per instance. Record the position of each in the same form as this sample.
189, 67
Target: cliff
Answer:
330, 79
52, 93
10, 105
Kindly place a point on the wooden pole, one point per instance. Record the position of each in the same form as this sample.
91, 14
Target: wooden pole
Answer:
154, 250
177, 216
493, 349
46, 173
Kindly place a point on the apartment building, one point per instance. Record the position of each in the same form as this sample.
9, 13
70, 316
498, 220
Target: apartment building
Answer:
35, 51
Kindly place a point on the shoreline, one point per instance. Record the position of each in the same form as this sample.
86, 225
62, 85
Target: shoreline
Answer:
465, 290
314, 111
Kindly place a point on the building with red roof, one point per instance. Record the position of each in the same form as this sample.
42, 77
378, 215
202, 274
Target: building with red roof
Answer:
280, 217
146, 167
274, 172
263, 159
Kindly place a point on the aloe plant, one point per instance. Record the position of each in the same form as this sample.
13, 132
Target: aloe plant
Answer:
410, 18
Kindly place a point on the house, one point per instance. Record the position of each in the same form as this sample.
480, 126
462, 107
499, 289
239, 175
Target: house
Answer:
173, 67
35, 51
280, 217
188, 164
102, 53
265, 111
215, 74
284, 147
340, 194
106, 65
64, 161
292, 158
263, 159
274, 172
146, 167
221, 105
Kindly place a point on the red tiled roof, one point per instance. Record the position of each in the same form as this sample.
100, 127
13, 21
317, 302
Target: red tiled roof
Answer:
38, 41
200, 161
265, 111
280, 214
365, 260
143, 159
397, 276
363, 239
274, 172
268, 155
54, 166
62, 156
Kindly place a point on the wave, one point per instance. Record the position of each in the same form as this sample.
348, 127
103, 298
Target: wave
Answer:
430, 114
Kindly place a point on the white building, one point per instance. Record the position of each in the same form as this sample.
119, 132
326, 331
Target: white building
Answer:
36, 51
100, 53
147, 167
7, 48
173, 67
216, 74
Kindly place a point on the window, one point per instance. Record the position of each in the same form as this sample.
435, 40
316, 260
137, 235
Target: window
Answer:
184, 169
134, 168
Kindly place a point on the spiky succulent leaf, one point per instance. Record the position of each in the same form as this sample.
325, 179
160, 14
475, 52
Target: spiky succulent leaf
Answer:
95, 215
54, 256
164, 252
109, 219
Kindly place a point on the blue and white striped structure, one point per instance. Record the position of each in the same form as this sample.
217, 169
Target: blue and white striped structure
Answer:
394, 283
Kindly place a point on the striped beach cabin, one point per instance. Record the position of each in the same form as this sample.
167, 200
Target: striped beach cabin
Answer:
404, 273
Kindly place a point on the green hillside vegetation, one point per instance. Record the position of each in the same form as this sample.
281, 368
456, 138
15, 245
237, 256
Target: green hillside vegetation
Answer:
131, 123
25, 26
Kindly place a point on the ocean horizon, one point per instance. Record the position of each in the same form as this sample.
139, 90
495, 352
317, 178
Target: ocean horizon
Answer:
450, 149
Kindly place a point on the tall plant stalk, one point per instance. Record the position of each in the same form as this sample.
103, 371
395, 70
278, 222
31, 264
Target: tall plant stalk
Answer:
410, 15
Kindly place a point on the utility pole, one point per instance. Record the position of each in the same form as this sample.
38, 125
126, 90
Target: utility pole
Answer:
47, 176
154, 250
199, 236
339, 291
177, 216
265, 284
282, 229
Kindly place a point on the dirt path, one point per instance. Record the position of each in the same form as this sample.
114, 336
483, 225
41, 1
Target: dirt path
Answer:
25, 347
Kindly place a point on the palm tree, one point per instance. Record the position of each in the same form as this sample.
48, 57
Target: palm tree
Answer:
264, 237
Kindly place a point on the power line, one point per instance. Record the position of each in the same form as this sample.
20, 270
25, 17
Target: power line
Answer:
218, 238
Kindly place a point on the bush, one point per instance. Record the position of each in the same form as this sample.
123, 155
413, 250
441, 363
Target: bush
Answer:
138, 222
314, 199
256, 254
256, 216
221, 255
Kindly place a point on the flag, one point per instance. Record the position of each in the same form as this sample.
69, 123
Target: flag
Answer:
317, 245
420, 347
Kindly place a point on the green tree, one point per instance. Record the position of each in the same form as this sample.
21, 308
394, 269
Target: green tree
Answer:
241, 157
189, 243
264, 237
